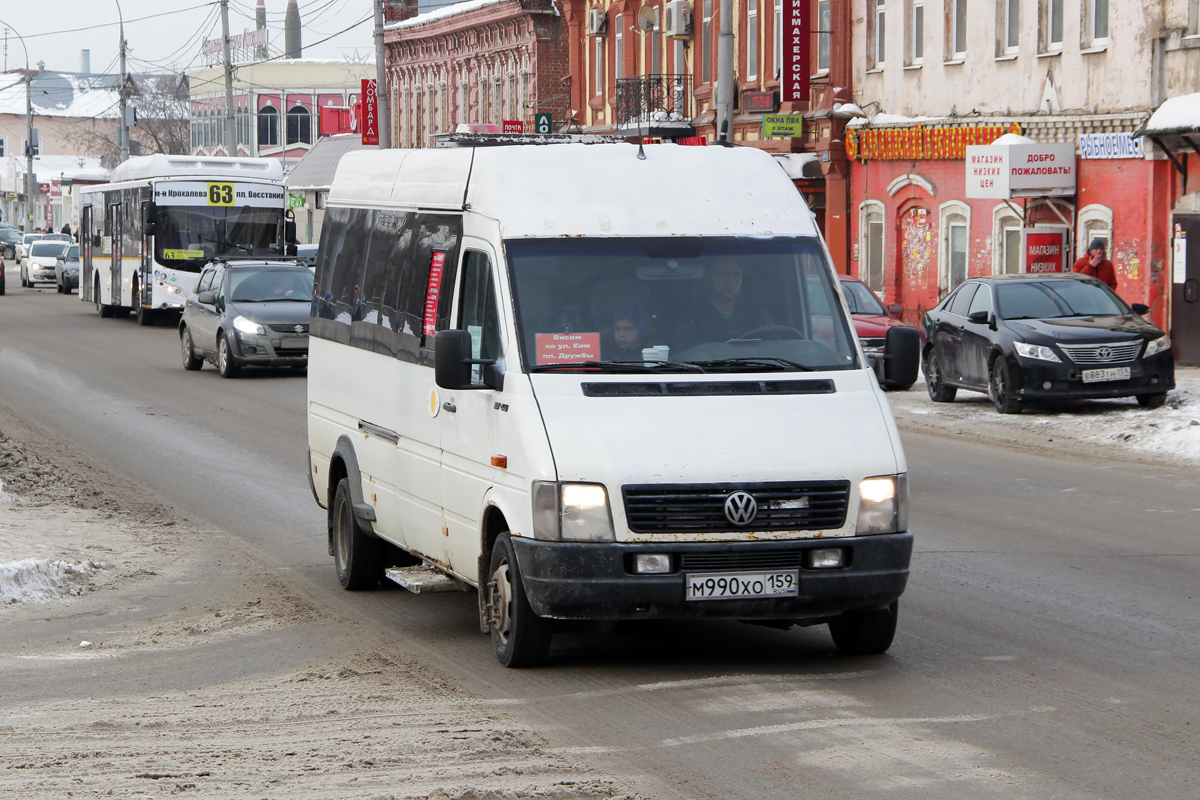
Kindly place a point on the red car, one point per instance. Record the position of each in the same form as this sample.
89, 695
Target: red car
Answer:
871, 319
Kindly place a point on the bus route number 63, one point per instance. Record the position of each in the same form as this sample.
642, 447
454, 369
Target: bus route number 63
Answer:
220, 194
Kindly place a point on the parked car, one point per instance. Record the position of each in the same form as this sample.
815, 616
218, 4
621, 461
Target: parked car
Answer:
1040, 337
9, 237
66, 270
871, 322
247, 314
38, 265
23, 244
309, 253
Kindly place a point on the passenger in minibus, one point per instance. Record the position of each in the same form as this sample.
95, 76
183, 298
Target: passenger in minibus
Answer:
628, 333
724, 312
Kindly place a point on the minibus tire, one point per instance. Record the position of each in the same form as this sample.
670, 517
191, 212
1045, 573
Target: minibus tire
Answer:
357, 557
865, 632
522, 639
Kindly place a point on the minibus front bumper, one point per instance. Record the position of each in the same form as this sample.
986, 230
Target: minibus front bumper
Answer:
592, 581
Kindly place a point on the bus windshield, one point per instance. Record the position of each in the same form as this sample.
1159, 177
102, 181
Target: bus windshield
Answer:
187, 236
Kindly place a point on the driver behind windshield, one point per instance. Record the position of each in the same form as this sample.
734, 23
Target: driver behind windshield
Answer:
722, 312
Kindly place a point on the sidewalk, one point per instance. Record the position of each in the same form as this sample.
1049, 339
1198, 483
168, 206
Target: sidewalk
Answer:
1113, 429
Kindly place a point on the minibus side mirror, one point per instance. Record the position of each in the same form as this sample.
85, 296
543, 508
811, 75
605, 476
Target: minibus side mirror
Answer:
902, 356
452, 363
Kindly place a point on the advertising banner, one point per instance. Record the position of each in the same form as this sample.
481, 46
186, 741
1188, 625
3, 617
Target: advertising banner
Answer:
437, 265
370, 113
782, 125
1110, 145
217, 193
512, 126
1045, 249
1004, 171
796, 43
555, 348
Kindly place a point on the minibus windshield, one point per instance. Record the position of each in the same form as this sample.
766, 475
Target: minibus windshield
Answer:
702, 304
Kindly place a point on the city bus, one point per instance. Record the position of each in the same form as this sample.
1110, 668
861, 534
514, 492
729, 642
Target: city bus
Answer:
145, 235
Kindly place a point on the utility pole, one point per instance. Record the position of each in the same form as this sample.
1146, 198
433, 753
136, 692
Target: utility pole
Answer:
725, 74
381, 92
230, 130
30, 181
122, 93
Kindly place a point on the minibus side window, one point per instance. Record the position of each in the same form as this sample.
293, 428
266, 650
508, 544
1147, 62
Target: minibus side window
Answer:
478, 312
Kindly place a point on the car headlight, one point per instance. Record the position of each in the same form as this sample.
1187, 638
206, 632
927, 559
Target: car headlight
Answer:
883, 504
246, 326
573, 512
1036, 351
1158, 345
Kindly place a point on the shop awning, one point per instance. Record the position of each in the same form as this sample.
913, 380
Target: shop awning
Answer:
1175, 128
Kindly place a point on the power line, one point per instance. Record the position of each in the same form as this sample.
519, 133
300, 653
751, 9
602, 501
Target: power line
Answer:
113, 24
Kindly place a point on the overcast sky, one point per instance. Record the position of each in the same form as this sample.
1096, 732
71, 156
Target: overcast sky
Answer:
171, 41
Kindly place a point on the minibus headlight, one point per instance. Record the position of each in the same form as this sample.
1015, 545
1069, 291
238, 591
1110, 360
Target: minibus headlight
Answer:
883, 504
572, 512
246, 326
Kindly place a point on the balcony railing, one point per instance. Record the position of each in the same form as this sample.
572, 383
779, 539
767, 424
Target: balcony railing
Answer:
653, 104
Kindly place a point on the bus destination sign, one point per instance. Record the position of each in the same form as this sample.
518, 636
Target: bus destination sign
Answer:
218, 193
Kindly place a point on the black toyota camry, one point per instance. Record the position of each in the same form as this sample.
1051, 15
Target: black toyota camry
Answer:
1043, 337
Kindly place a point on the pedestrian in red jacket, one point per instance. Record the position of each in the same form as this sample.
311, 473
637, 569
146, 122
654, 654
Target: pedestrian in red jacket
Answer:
1094, 263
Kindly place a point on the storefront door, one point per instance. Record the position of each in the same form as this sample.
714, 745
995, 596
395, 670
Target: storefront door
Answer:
1185, 289
918, 255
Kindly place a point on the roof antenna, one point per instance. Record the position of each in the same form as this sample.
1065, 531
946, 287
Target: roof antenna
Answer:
647, 19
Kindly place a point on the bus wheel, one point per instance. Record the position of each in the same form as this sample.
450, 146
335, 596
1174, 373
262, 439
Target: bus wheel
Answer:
519, 636
190, 361
357, 557
101, 309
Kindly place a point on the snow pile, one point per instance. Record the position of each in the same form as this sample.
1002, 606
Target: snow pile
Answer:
451, 10
4, 496
34, 580
1173, 430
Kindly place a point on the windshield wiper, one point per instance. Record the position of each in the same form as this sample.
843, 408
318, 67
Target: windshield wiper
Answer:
621, 366
757, 362
273, 300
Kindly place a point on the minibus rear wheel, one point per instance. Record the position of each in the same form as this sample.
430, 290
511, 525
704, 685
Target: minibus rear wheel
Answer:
519, 636
357, 557
865, 632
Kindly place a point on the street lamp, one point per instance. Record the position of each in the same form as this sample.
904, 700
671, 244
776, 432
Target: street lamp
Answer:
29, 179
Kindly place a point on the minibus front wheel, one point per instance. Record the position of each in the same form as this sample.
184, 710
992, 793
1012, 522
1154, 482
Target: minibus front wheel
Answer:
356, 556
519, 636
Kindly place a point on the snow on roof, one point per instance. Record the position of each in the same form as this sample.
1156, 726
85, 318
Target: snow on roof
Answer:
60, 94
793, 163
1176, 115
315, 170
891, 119
46, 168
441, 13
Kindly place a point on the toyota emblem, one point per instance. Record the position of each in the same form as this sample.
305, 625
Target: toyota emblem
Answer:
1104, 353
299, 329
741, 508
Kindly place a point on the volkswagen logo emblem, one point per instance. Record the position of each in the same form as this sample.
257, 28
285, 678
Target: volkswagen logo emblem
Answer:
741, 508
1104, 353
299, 329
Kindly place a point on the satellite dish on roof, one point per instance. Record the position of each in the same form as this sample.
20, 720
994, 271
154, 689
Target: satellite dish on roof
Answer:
647, 18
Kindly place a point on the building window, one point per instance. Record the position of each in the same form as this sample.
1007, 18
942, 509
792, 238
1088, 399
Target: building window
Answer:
619, 47
299, 125
953, 261
1097, 21
656, 52
1193, 24
268, 126
870, 267
1051, 29
705, 43
777, 51
876, 34
1095, 222
916, 33
598, 65
824, 35
956, 26
752, 39
3, 146
1010, 29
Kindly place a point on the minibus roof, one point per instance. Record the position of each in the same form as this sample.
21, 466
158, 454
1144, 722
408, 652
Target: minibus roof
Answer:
164, 166
598, 190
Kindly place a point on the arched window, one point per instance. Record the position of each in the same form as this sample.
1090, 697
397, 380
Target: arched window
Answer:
1006, 241
953, 258
1095, 222
268, 126
299, 125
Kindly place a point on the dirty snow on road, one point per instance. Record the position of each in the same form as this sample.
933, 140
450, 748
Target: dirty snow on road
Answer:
1099, 428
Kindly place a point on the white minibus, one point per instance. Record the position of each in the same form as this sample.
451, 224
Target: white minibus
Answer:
599, 387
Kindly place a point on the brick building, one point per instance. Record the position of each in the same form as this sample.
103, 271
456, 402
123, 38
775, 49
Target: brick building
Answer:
480, 61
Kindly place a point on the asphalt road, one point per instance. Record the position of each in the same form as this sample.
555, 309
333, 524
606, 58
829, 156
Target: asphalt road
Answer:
1049, 642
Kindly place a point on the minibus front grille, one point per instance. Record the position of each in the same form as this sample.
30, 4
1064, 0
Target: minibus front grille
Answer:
759, 559
708, 388
700, 508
